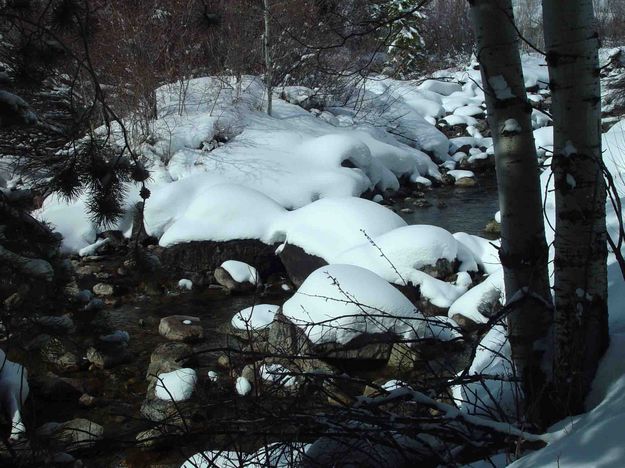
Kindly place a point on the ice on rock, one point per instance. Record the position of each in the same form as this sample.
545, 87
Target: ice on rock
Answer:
177, 385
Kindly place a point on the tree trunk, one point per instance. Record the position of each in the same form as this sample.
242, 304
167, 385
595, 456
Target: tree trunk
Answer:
268, 63
581, 318
523, 250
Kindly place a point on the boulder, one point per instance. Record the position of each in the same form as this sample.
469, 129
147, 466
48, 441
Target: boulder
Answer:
225, 279
168, 357
108, 356
181, 328
195, 259
72, 435
103, 289
465, 182
298, 263
54, 352
286, 338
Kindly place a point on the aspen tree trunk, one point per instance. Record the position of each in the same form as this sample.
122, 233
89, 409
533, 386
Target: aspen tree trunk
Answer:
523, 250
268, 63
580, 288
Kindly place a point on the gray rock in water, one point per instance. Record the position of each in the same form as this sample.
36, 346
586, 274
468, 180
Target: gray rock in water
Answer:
169, 357
55, 352
72, 435
104, 289
58, 324
108, 356
181, 328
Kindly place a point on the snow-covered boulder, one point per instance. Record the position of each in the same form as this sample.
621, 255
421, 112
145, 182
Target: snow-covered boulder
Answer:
419, 247
237, 276
253, 322
327, 227
478, 303
177, 385
339, 303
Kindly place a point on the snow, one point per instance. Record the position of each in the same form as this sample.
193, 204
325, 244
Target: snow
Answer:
93, 248
213, 376
14, 390
494, 398
243, 386
185, 284
511, 126
460, 174
339, 302
484, 252
468, 305
441, 87
330, 226
218, 213
470, 111
404, 248
241, 272
277, 374
256, 317
177, 385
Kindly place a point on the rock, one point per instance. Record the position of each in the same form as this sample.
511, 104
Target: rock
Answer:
86, 400
225, 279
298, 263
168, 357
224, 361
157, 410
54, 352
103, 289
94, 305
107, 357
402, 357
54, 388
157, 437
286, 338
465, 182
194, 259
56, 324
181, 328
493, 227
466, 324
365, 347
72, 435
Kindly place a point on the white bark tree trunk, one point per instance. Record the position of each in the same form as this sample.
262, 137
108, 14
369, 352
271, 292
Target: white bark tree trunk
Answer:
267, 50
523, 250
581, 319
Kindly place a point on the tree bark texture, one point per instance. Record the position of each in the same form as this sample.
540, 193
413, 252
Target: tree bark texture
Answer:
523, 250
580, 282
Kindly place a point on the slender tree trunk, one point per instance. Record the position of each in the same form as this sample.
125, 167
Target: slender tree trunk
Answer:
268, 62
581, 318
523, 250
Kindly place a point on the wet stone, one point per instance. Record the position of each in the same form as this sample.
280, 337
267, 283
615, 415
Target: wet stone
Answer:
181, 328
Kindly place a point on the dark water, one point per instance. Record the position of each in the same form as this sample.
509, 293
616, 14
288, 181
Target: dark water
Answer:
465, 209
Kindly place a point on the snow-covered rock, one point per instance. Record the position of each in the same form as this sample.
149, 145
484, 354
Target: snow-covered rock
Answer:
177, 385
337, 303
